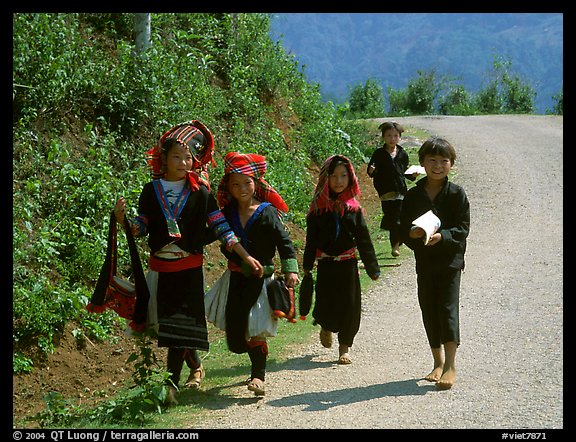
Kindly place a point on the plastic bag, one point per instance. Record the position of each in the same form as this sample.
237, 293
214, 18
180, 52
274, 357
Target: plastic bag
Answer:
215, 301
261, 321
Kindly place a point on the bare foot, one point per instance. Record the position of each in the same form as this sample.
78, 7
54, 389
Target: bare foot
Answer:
344, 359
434, 375
447, 380
171, 396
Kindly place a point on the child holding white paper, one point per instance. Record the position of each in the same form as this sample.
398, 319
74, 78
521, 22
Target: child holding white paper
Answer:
387, 167
439, 263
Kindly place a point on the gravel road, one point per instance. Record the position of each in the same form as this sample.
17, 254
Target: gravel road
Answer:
510, 361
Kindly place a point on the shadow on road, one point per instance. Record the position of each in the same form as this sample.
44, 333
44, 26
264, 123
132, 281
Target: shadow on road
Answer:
219, 398
324, 400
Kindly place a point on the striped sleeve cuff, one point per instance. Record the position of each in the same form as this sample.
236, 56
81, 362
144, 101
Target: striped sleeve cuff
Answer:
217, 222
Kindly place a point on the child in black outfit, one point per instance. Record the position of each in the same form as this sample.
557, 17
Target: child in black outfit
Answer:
252, 208
440, 262
386, 168
336, 233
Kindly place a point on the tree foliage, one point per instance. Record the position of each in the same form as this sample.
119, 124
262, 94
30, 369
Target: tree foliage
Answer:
366, 101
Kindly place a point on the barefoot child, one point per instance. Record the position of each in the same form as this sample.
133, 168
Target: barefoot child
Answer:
251, 207
335, 231
440, 262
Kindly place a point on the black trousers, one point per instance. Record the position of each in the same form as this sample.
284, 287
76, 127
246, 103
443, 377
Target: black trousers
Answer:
258, 355
242, 294
391, 219
439, 299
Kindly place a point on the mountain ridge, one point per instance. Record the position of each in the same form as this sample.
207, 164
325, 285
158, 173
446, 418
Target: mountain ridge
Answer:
341, 50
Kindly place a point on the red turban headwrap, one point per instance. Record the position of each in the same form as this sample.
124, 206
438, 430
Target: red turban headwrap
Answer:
198, 139
253, 165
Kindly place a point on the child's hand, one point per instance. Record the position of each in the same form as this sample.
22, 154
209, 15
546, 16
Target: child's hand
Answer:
417, 232
434, 239
258, 269
291, 279
120, 210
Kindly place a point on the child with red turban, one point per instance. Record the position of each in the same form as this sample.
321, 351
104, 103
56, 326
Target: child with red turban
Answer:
253, 209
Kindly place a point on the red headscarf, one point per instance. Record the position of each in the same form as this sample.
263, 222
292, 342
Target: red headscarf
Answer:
253, 165
198, 139
325, 200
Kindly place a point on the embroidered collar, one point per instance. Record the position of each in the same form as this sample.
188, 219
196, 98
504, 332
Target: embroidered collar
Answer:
237, 225
171, 213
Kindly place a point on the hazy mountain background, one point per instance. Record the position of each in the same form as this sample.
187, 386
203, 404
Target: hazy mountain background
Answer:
340, 50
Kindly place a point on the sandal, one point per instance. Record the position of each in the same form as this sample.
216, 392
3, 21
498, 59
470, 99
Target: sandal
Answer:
196, 377
326, 338
344, 359
257, 386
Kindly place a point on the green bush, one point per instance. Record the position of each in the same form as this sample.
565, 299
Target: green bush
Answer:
502, 92
366, 101
558, 108
456, 101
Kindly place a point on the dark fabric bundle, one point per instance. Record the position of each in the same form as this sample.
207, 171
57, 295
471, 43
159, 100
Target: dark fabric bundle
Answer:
305, 295
281, 299
128, 300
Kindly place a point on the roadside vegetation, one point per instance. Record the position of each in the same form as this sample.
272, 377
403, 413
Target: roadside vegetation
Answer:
502, 92
87, 105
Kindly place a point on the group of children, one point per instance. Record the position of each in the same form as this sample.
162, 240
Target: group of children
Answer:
180, 215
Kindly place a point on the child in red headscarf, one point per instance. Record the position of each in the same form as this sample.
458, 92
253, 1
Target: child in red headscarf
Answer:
252, 208
335, 231
180, 216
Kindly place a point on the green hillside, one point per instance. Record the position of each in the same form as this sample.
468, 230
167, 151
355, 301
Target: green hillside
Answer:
86, 106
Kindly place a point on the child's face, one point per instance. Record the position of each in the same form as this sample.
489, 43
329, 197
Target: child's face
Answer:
339, 179
391, 137
437, 167
178, 162
241, 187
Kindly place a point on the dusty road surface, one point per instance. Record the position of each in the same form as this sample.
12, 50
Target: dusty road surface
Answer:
510, 362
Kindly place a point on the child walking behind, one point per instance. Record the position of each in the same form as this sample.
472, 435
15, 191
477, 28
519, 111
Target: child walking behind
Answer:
180, 215
251, 207
386, 167
439, 263
335, 231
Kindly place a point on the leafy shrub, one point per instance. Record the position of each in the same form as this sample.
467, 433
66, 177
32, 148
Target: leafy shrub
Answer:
503, 92
456, 101
366, 101
558, 108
